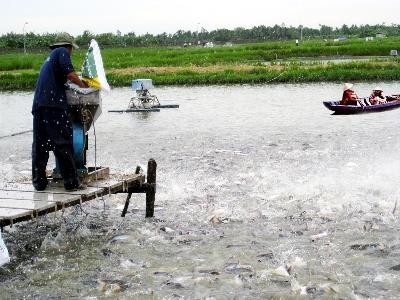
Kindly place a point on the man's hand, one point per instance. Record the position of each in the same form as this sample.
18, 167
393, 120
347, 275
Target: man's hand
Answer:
75, 79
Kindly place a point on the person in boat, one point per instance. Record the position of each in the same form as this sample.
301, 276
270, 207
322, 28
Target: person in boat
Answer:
349, 96
377, 96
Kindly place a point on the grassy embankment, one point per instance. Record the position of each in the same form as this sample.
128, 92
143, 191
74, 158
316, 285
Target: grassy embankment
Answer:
222, 65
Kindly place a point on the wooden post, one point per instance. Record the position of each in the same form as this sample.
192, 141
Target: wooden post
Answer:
125, 210
138, 168
151, 187
128, 198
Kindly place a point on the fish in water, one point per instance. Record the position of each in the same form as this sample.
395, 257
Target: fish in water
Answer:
366, 246
112, 286
212, 272
236, 268
265, 256
235, 246
167, 229
216, 220
117, 238
161, 273
395, 268
128, 263
106, 252
174, 285
318, 236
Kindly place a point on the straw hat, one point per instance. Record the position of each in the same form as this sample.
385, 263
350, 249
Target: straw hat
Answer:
347, 86
64, 39
378, 89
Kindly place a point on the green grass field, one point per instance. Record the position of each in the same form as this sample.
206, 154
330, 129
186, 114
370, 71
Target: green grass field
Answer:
222, 65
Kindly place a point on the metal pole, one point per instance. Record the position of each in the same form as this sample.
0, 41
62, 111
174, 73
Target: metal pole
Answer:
301, 33
23, 30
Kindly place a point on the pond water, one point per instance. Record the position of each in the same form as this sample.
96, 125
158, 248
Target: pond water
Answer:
261, 193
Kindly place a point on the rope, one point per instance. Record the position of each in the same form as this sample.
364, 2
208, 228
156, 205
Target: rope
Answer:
95, 159
16, 133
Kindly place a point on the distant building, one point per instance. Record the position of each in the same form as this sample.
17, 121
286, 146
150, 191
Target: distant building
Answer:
380, 35
393, 52
340, 38
209, 45
369, 38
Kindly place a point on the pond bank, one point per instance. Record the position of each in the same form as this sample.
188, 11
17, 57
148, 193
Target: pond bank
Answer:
289, 72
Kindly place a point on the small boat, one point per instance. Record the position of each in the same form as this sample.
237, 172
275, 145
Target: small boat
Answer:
340, 109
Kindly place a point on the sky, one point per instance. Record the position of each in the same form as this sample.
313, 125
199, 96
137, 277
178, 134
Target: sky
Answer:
158, 16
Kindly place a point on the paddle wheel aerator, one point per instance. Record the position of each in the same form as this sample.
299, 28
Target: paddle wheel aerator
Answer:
143, 98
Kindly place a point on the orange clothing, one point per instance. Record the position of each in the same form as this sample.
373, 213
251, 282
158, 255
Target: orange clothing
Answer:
349, 98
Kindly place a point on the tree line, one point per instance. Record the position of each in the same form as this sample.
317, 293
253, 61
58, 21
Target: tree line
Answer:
219, 36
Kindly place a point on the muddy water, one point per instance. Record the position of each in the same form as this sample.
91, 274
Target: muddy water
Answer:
301, 202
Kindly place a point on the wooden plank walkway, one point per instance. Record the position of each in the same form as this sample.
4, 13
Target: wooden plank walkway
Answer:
20, 202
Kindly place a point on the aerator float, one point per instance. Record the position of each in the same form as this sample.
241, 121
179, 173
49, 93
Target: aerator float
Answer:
144, 101
143, 98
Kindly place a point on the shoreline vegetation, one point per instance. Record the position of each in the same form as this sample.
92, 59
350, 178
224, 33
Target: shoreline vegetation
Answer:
274, 62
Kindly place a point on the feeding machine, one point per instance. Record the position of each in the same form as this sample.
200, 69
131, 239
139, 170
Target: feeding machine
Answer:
84, 109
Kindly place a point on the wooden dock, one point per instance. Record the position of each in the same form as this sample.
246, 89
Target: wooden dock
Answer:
20, 202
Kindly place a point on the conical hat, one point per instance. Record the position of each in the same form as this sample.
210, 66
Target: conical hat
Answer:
347, 86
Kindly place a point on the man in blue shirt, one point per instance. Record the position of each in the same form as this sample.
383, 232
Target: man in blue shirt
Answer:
52, 128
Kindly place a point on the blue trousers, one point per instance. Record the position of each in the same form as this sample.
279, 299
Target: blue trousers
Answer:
52, 131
